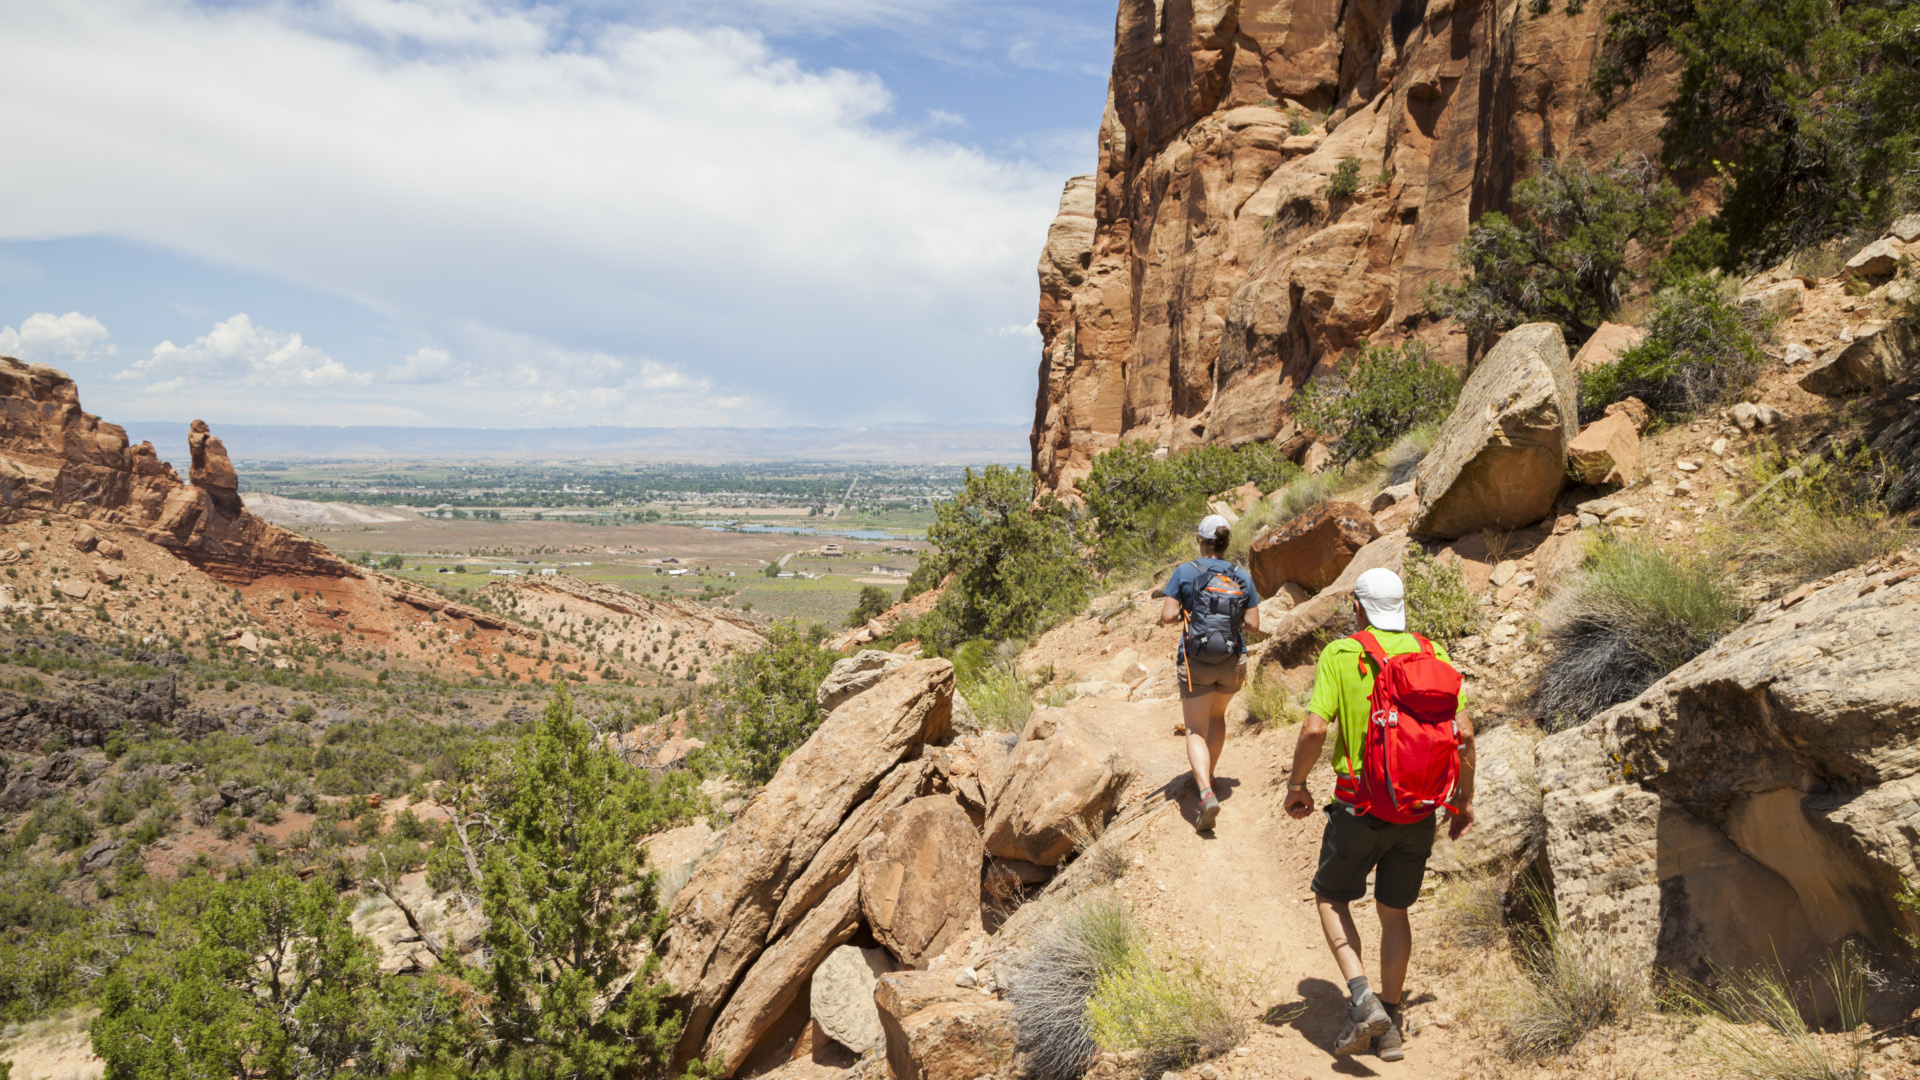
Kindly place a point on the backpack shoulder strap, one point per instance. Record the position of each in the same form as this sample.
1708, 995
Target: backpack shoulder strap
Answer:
1369, 646
1426, 647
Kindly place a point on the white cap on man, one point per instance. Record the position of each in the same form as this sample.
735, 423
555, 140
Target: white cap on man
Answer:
1384, 597
1212, 525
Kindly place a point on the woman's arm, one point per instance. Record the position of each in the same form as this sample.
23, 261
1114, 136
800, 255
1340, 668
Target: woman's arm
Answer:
1169, 610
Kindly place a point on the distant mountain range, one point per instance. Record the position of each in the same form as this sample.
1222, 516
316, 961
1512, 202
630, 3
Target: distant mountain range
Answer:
907, 443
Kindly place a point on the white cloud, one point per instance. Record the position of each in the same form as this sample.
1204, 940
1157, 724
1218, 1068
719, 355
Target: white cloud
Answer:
238, 351
46, 338
685, 196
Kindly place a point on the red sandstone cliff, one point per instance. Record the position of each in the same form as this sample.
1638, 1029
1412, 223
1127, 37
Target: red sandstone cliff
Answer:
1193, 285
56, 458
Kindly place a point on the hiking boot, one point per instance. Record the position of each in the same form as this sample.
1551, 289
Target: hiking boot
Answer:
1387, 1043
1366, 1019
1209, 811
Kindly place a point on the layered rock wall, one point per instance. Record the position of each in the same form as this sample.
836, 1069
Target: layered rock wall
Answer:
56, 458
1193, 285
1760, 804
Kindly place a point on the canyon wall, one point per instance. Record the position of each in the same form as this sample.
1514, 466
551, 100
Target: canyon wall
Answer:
1193, 285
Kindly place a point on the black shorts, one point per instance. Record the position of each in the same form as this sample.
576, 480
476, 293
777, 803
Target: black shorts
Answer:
1356, 844
1197, 680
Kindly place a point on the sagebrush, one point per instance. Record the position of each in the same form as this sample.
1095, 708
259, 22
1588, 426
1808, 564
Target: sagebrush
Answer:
1698, 352
1373, 399
1633, 612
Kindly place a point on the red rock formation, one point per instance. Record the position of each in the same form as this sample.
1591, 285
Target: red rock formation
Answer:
56, 458
1199, 280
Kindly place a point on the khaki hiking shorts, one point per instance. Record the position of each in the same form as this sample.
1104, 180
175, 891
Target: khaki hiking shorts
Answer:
1203, 679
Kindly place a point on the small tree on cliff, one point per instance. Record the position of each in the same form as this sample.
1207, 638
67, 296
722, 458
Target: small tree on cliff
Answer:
551, 829
1374, 398
1561, 256
1016, 559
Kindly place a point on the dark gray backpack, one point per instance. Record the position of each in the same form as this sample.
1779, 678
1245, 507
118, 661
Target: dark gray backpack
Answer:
1214, 611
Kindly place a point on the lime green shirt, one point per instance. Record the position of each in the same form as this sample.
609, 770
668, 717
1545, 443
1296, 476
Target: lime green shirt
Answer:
1342, 691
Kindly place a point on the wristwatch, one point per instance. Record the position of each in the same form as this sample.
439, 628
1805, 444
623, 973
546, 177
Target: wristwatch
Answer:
1291, 786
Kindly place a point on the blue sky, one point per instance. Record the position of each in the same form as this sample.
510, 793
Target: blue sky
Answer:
486, 213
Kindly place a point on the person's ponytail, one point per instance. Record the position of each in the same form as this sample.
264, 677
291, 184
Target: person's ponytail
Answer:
1217, 547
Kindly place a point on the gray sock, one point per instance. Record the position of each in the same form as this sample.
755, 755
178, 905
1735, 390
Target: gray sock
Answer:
1357, 987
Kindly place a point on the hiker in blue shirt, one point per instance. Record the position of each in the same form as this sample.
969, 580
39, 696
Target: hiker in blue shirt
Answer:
1217, 603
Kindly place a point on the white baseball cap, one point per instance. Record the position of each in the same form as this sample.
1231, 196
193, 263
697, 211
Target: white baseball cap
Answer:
1211, 525
1384, 597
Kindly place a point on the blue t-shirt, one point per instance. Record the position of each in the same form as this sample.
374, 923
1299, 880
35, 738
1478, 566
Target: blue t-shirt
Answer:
1187, 576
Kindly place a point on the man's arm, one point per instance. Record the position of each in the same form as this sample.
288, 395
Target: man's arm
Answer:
1306, 754
1459, 821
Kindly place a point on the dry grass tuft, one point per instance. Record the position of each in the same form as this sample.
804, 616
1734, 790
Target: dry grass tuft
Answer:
1099, 851
1171, 1016
1633, 613
1270, 700
1473, 910
1789, 1048
1055, 978
1573, 984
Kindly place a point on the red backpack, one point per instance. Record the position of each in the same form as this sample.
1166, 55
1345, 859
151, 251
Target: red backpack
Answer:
1411, 759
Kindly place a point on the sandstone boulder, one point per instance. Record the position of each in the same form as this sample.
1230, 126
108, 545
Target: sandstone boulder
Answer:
1064, 773
1759, 801
1293, 639
1311, 549
1605, 451
1878, 259
937, 1030
1905, 229
1879, 355
854, 675
1780, 300
1391, 496
1606, 345
1635, 410
721, 918
1752, 417
1508, 826
841, 998
779, 974
920, 878
839, 857
1500, 459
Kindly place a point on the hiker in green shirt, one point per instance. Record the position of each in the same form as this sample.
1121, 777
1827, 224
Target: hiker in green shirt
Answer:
1355, 844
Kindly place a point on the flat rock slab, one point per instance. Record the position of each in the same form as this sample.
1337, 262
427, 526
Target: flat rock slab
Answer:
1311, 549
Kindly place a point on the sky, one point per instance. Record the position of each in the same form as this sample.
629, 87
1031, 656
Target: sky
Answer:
484, 213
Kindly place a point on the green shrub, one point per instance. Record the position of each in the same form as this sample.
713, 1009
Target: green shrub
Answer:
873, 600
1172, 1015
1146, 505
1271, 701
1000, 697
1807, 111
1561, 256
1345, 181
1373, 399
1015, 560
61, 820
1633, 613
1697, 353
259, 975
1052, 981
1438, 603
766, 706
1816, 517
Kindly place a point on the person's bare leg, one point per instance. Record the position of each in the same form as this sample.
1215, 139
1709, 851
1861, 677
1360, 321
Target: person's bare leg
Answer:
1336, 922
1396, 949
1194, 710
1216, 729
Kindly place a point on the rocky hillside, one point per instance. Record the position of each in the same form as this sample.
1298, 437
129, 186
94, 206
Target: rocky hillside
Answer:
682, 638
1195, 283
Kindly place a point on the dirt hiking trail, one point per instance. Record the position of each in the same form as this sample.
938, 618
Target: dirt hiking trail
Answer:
1241, 896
